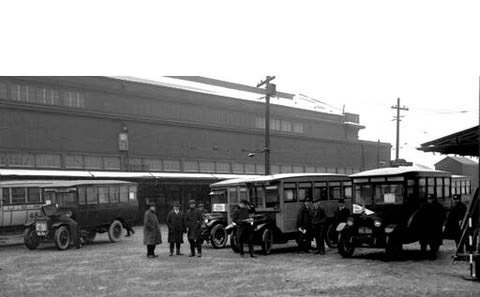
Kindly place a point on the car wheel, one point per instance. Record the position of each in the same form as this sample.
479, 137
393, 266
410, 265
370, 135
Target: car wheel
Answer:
234, 242
62, 238
346, 246
218, 236
115, 231
31, 238
331, 238
393, 247
267, 241
90, 237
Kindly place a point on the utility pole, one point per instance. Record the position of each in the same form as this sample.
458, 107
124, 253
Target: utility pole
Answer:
270, 90
398, 108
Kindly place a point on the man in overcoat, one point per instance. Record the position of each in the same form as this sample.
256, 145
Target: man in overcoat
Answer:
319, 220
454, 220
176, 228
304, 226
193, 222
151, 229
241, 217
431, 217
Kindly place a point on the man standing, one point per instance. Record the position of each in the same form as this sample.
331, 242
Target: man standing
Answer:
151, 229
454, 220
319, 219
176, 228
241, 218
193, 222
341, 213
304, 226
431, 217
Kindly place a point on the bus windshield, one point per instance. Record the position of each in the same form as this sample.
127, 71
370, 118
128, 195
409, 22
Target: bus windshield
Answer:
363, 195
388, 194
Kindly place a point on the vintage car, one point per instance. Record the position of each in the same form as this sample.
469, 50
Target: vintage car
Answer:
385, 207
277, 199
97, 206
214, 229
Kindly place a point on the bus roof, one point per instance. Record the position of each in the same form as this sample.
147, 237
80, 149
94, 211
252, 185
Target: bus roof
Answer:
396, 171
58, 183
265, 178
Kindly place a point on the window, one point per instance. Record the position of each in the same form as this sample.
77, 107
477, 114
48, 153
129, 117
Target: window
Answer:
422, 187
3, 91
320, 191
123, 193
135, 164
468, 187
82, 195
286, 169
275, 124
298, 169
243, 194
103, 194
150, 164
431, 185
171, 165
271, 196
260, 169
260, 123
237, 168
132, 192
219, 197
388, 194
286, 126
18, 195
439, 187
298, 127
111, 163
49, 197
289, 192
232, 195
363, 194
92, 195
347, 190
222, 167
73, 161
207, 166
190, 166
114, 194
33, 195
250, 168
6, 196
21, 160
304, 191
258, 198
48, 160
93, 162
334, 190
66, 199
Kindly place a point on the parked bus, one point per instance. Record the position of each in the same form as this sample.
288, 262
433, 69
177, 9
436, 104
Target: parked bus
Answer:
277, 200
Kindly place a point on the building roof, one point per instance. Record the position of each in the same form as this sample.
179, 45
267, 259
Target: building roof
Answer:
464, 143
394, 171
461, 160
273, 177
58, 183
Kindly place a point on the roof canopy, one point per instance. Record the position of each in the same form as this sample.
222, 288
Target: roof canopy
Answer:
464, 143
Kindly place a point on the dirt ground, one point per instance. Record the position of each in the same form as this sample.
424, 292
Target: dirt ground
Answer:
122, 269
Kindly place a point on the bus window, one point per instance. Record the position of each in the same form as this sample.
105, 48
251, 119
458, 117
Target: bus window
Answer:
347, 192
66, 199
33, 195
468, 187
6, 196
232, 195
463, 186
114, 194
272, 198
304, 191
446, 187
92, 195
289, 192
123, 193
431, 185
439, 187
334, 190
363, 194
103, 194
132, 192
320, 191
18, 195
49, 197
259, 197
243, 194
422, 187
410, 188
82, 195
388, 194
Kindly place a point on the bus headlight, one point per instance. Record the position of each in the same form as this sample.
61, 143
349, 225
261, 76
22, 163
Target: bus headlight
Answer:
350, 221
377, 223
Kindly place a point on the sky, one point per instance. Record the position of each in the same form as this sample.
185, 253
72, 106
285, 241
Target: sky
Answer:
361, 54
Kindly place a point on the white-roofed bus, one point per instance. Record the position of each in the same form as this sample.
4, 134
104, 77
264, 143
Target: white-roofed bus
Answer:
277, 200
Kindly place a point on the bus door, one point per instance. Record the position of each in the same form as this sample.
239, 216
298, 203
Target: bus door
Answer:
334, 194
290, 207
18, 207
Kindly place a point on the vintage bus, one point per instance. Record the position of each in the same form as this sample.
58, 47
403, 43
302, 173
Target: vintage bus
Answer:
277, 200
385, 203
96, 205
462, 185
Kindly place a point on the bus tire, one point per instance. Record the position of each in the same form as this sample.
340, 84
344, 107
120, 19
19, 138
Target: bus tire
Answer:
90, 237
218, 236
267, 241
234, 242
331, 236
115, 231
346, 246
62, 238
30, 238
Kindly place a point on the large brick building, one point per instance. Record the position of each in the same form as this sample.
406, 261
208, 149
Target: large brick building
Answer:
178, 124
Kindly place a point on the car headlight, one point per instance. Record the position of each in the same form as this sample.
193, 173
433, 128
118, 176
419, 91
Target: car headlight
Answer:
206, 221
377, 223
350, 221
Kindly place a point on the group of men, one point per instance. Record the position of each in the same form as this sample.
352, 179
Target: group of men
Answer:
178, 224
312, 224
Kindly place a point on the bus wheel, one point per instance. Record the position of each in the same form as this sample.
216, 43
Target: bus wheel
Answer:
90, 237
346, 246
393, 247
234, 242
331, 238
218, 236
267, 241
30, 238
115, 231
62, 238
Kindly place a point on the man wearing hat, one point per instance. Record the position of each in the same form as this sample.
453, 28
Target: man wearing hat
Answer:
151, 229
342, 212
430, 219
193, 222
176, 228
241, 217
319, 219
304, 226
454, 220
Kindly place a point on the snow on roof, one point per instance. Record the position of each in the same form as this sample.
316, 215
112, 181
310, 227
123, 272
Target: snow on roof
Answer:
394, 171
263, 178
299, 101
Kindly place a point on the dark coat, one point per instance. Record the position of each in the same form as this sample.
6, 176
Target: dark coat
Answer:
318, 216
455, 217
430, 219
193, 222
304, 218
176, 226
151, 229
240, 215
341, 215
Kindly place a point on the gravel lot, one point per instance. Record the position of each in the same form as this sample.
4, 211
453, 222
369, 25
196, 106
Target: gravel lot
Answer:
121, 269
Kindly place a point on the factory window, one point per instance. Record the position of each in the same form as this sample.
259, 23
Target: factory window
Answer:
321, 170
285, 169
309, 169
341, 170
48, 160
298, 169
190, 166
298, 127
274, 169
261, 169
260, 123
250, 168
153, 164
207, 166
111, 163
48, 96
93, 162
171, 165
286, 126
73, 161
3, 90
222, 167
21, 160
237, 168
3, 158
331, 170
135, 164
275, 124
